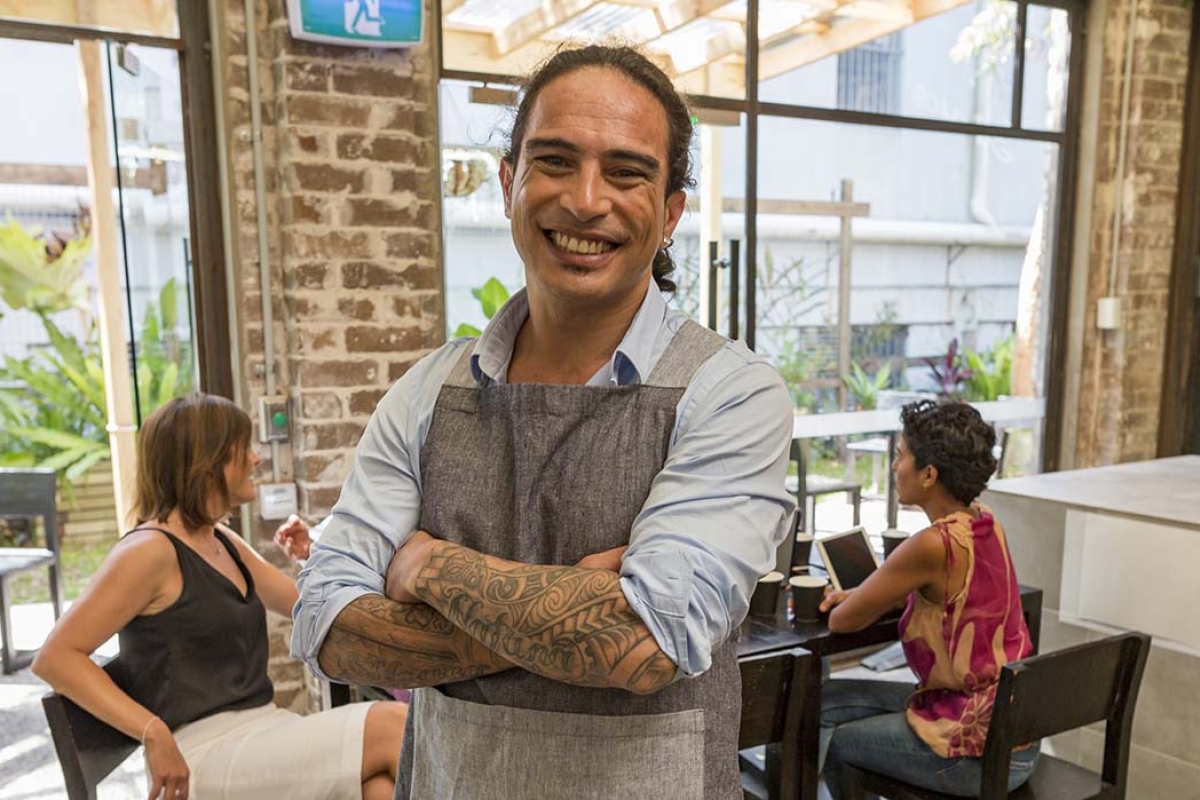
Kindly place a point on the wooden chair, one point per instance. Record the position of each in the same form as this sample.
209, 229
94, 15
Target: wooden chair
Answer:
88, 749
772, 705
1042, 696
815, 486
27, 493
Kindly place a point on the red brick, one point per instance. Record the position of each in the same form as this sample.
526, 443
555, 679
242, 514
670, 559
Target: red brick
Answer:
397, 369
360, 211
333, 244
371, 80
311, 276
328, 178
366, 275
339, 373
317, 500
314, 339
371, 339
307, 210
320, 405
381, 147
315, 109
364, 402
414, 244
360, 309
323, 468
329, 435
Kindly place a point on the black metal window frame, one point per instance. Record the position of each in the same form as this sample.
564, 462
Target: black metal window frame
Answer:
194, 45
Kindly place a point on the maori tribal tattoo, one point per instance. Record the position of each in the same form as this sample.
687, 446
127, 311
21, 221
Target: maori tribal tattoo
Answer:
377, 641
566, 623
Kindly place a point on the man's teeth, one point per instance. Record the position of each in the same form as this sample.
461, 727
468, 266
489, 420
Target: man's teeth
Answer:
584, 246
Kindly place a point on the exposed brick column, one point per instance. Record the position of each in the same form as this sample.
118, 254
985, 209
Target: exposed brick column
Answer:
1122, 379
353, 209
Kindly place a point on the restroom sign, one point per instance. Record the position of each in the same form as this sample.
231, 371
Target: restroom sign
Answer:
358, 23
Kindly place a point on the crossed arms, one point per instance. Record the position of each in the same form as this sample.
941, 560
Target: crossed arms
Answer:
469, 614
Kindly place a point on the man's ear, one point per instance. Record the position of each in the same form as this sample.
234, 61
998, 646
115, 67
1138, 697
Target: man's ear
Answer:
676, 202
506, 182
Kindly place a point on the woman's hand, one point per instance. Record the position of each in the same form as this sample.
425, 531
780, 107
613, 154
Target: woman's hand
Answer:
168, 770
834, 597
292, 537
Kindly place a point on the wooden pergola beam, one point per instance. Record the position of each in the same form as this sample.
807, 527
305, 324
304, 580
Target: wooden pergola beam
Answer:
538, 22
156, 17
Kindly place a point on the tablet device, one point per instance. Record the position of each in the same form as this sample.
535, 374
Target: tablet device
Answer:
849, 557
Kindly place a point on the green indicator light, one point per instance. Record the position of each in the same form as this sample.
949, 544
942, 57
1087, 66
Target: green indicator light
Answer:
279, 419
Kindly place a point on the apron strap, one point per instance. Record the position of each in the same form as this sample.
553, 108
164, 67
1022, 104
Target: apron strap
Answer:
691, 347
461, 375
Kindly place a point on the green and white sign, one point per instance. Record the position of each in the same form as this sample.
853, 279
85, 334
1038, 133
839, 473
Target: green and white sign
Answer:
360, 23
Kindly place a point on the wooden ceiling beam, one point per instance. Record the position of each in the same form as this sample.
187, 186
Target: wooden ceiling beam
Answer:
538, 22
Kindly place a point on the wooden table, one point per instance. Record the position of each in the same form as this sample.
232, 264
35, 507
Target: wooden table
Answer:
761, 636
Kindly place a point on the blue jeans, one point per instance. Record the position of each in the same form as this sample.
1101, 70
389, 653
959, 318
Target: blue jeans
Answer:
863, 723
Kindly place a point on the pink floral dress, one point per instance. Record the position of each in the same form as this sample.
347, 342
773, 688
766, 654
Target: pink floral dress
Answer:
957, 648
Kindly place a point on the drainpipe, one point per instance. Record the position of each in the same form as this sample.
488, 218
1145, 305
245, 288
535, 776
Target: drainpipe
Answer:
260, 214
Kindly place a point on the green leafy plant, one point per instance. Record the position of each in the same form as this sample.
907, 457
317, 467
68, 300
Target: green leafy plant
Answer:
991, 371
42, 272
491, 296
866, 388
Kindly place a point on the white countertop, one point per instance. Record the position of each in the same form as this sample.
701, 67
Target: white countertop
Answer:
1165, 489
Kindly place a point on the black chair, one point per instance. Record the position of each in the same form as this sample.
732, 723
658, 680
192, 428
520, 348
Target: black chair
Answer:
816, 485
1042, 696
27, 493
88, 749
772, 707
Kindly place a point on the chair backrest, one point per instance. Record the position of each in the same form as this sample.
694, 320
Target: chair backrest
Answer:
31, 493
772, 702
88, 749
1064, 690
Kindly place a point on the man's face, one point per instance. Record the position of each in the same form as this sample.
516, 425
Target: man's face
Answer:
587, 197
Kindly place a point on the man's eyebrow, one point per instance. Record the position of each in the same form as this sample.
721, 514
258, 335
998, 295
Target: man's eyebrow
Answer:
649, 162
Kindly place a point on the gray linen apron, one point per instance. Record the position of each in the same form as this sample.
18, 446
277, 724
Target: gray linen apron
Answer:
547, 475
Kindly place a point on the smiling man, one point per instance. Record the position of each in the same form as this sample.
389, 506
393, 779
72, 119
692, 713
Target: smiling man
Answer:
555, 529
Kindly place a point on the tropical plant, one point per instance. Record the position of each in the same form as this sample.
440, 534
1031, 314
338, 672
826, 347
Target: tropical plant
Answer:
866, 388
491, 296
991, 371
52, 403
948, 372
42, 272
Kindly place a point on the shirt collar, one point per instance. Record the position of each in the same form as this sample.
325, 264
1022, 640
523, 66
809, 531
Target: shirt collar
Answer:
630, 362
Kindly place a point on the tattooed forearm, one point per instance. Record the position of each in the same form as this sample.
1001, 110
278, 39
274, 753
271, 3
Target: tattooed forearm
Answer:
566, 623
377, 641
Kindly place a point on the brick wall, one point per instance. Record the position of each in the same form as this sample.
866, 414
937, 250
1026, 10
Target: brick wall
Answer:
1122, 378
352, 171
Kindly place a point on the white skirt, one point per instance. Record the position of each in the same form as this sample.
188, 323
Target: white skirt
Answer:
267, 752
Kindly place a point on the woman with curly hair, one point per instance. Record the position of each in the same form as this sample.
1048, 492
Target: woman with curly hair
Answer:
962, 620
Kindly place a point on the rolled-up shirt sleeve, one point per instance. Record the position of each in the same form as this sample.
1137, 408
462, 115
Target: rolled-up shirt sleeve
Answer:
377, 511
716, 513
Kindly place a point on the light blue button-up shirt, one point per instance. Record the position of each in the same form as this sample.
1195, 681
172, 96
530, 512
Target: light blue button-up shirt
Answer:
709, 528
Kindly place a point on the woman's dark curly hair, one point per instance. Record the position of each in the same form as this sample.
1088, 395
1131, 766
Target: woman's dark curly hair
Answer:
953, 437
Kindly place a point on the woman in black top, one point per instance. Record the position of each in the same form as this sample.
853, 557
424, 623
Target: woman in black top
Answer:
187, 597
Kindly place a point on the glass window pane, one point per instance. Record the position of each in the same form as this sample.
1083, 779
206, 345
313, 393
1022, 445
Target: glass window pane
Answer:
955, 248
1047, 59
154, 17
704, 53
956, 66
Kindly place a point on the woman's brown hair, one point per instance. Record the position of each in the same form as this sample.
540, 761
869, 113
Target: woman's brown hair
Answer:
183, 448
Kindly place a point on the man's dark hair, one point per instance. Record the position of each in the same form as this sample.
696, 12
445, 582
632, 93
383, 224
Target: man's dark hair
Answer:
953, 437
629, 62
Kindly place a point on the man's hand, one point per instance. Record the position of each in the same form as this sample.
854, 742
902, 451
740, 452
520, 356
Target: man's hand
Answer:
406, 563
609, 559
292, 537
